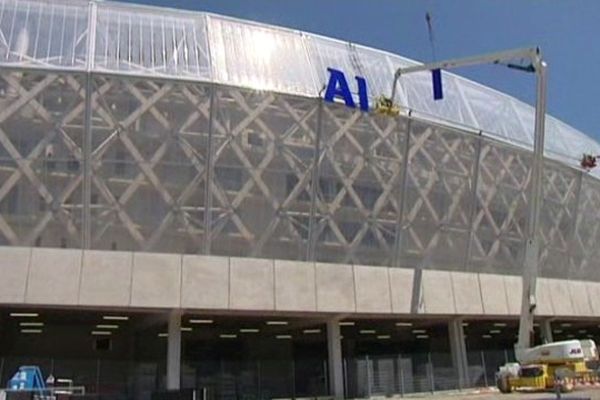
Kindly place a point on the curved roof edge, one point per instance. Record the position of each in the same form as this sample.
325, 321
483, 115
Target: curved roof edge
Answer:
150, 41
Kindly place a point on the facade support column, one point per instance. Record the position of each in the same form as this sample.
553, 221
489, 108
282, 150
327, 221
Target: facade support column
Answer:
174, 351
546, 331
335, 364
458, 350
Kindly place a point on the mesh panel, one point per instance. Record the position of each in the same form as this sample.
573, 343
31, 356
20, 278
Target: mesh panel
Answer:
41, 132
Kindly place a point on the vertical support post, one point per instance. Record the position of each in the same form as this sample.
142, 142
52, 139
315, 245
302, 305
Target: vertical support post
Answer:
402, 196
97, 376
473, 210
259, 384
86, 155
334, 352
345, 365
369, 377
431, 376
86, 151
314, 184
458, 350
530, 270
401, 375
485, 379
546, 330
174, 351
209, 172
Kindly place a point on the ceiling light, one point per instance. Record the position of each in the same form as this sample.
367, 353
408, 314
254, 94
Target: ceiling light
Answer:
24, 315
31, 331
495, 331
31, 323
558, 331
582, 331
465, 324
422, 336
419, 331
347, 323
570, 336
277, 322
115, 318
283, 336
566, 324
101, 333
163, 334
249, 330
500, 324
403, 323
106, 326
309, 331
367, 331
201, 321
383, 336
486, 336
186, 329
227, 335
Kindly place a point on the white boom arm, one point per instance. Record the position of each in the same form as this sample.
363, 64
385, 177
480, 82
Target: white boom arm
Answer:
530, 267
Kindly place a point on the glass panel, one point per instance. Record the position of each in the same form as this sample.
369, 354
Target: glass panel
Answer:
358, 189
260, 57
51, 34
263, 156
149, 145
152, 42
41, 132
438, 197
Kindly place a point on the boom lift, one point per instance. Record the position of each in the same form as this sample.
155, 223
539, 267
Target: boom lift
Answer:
544, 366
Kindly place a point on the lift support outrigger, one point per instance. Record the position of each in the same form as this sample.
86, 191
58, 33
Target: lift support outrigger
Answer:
545, 366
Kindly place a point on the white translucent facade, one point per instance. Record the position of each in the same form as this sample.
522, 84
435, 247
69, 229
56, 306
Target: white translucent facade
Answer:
136, 128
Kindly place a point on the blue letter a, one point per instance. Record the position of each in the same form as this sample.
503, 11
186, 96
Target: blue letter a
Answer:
338, 86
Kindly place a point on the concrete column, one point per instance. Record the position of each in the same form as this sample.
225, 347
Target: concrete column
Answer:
174, 351
546, 331
458, 350
334, 351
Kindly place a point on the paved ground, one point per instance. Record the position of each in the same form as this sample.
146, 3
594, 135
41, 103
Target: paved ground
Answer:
592, 394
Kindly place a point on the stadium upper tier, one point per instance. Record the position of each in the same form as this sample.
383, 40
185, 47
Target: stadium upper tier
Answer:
117, 38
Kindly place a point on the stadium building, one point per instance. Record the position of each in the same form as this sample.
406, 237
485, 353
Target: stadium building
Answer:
180, 208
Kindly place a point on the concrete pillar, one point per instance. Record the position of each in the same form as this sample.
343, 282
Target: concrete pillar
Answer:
174, 351
458, 350
546, 331
334, 352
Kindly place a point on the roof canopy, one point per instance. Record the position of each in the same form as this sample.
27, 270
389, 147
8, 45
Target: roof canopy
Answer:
156, 42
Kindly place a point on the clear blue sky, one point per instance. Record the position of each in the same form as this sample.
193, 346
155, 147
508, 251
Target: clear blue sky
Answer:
568, 31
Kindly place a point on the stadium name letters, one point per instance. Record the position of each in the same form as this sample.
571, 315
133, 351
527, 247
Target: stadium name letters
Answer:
338, 87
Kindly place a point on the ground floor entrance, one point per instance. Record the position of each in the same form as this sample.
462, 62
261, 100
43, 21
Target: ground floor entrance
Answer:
227, 356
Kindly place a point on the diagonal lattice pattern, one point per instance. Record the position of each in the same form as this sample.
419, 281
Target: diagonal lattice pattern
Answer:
557, 217
500, 218
196, 168
263, 154
360, 169
41, 132
584, 249
438, 197
149, 144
